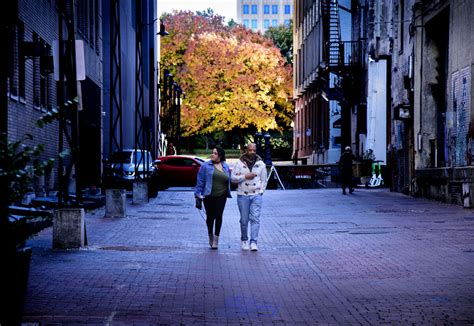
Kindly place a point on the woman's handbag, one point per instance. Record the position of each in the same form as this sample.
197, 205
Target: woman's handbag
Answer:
198, 203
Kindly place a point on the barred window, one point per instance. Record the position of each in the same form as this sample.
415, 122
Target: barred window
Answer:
21, 61
36, 75
97, 25
14, 56
91, 23
83, 18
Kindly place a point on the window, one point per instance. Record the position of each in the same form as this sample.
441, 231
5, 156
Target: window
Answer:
45, 83
21, 61
254, 24
287, 9
36, 75
402, 25
82, 18
91, 23
274, 22
179, 162
246, 23
287, 23
97, 26
246, 9
121, 157
15, 58
254, 9
275, 9
266, 23
142, 159
266, 9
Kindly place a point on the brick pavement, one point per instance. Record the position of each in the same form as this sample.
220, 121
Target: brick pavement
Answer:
371, 258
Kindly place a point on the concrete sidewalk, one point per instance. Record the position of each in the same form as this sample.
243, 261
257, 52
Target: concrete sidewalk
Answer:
370, 258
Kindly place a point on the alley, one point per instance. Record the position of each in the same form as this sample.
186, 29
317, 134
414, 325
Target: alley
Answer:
371, 258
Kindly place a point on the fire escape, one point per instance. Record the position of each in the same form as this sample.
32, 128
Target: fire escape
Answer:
343, 67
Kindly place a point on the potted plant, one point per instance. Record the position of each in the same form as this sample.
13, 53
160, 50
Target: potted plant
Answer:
21, 164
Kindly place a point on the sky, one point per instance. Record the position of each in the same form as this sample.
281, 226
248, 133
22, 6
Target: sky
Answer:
226, 8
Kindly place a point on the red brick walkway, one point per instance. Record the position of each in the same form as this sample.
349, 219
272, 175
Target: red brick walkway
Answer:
370, 258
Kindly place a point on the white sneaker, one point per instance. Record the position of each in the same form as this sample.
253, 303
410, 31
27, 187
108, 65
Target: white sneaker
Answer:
245, 245
253, 246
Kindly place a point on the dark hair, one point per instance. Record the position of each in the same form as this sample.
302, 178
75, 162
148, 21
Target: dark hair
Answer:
221, 153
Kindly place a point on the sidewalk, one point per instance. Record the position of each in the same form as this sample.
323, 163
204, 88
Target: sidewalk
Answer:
371, 258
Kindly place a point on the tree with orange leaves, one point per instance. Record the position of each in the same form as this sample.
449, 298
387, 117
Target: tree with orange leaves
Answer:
234, 79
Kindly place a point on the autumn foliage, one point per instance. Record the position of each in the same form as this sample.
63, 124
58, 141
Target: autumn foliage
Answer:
234, 79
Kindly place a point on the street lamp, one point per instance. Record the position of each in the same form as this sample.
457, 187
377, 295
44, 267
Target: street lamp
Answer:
268, 149
178, 92
162, 31
258, 142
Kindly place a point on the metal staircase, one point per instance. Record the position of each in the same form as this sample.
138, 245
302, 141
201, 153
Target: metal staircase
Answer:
334, 33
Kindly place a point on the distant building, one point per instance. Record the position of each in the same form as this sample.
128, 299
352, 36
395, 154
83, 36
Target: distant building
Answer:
259, 15
128, 36
324, 61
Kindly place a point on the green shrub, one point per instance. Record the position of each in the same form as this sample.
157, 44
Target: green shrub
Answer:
204, 153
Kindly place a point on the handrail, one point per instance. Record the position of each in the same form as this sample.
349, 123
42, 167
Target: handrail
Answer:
349, 53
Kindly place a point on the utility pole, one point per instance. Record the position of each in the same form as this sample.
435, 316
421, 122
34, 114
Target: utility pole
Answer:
67, 93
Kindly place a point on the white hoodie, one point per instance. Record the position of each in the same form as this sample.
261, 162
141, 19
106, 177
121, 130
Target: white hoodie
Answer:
251, 187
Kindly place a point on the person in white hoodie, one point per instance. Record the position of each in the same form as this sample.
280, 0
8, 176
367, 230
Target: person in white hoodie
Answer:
250, 173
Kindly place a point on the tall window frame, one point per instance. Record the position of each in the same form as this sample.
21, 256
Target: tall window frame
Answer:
266, 9
36, 76
254, 9
266, 23
254, 24
45, 82
21, 62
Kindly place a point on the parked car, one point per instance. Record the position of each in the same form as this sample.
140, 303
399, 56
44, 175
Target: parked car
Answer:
119, 168
178, 170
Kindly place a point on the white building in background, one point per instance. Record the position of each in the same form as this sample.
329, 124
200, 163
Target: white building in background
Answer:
259, 15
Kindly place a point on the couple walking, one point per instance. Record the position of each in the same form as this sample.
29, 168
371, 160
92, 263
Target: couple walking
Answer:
213, 186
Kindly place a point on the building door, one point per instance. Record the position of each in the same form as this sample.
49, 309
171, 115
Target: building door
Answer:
90, 135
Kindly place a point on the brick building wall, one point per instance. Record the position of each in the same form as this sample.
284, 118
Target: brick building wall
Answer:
32, 90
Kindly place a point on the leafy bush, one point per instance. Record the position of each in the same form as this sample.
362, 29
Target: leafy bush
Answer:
22, 165
202, 152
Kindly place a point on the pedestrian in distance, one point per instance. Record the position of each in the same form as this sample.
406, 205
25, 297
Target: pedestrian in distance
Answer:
250, 173
170, 149
213, 186
345, 167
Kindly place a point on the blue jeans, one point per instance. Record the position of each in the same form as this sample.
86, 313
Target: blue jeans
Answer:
249, 207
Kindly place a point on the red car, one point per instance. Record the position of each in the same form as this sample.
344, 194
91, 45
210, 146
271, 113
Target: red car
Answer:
178, 170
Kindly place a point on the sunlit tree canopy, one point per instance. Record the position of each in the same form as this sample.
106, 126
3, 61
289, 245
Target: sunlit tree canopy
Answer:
234, 79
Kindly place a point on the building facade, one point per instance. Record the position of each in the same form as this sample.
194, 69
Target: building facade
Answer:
426, 54
259, 15
402, 82
132, 15
32, 89
442, 48
325, 60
